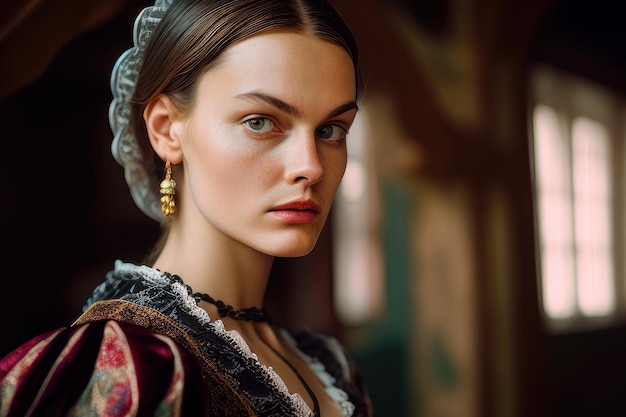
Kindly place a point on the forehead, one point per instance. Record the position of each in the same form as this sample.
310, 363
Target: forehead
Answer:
296, 66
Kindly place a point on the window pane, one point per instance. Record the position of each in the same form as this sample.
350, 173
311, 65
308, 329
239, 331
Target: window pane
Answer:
358, 258
592, 208
595, 283
555, 214
559, 289
551, 152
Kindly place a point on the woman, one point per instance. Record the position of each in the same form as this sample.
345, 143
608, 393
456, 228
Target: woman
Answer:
230, 119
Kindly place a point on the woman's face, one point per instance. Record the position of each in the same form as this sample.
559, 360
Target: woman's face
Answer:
264, 146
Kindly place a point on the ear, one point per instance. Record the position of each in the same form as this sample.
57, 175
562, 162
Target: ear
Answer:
160, 116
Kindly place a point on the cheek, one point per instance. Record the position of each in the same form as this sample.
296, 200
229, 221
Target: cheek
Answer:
336, 166
227, 164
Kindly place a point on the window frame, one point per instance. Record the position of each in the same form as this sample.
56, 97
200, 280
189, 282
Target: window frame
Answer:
572, 96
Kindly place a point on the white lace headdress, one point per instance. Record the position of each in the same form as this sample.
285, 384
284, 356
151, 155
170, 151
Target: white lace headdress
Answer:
143, 186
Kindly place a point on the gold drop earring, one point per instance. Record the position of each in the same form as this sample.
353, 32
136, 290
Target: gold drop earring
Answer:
168, 189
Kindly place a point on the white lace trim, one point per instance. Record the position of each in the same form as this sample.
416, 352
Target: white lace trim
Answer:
235, 338
338, 395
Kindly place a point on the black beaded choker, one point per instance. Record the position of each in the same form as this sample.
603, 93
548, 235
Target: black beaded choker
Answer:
225, 310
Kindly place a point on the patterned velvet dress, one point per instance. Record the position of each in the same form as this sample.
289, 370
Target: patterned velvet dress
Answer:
143, 347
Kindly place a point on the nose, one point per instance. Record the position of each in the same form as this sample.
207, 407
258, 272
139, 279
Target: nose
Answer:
303, 163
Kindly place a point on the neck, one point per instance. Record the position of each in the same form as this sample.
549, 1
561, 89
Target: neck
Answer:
225, 269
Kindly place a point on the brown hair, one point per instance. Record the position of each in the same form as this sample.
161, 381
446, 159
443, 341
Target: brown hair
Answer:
193, 35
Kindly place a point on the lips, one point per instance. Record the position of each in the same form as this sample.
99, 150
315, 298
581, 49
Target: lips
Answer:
297, 212
301, 205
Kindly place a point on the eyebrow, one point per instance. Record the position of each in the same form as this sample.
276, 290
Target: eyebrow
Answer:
289, 109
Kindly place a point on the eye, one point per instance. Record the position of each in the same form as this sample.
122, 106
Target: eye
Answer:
259, 125
331, 133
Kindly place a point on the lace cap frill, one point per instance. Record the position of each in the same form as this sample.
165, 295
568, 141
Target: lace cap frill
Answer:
125, 149
169, 294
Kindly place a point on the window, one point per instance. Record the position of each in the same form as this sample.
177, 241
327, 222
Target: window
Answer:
576, 143
358, 259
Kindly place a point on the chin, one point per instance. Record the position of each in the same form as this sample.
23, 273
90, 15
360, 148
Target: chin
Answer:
293, 248
296, 254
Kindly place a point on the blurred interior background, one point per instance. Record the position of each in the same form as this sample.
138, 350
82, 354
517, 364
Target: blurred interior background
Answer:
474, 262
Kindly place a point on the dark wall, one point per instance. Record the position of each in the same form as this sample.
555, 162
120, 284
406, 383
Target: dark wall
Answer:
67, 212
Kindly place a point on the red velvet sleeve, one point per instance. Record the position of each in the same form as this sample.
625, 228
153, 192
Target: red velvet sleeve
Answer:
104, 368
